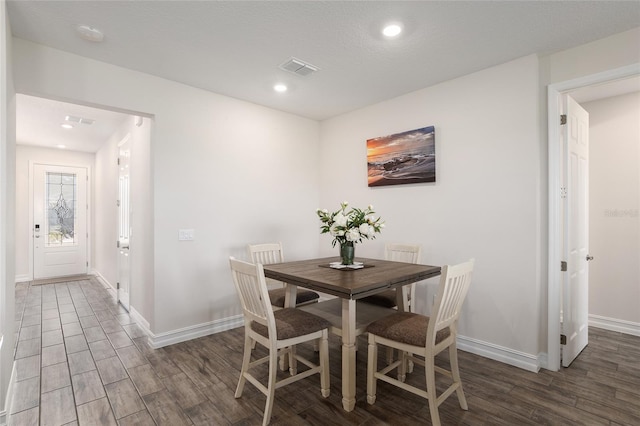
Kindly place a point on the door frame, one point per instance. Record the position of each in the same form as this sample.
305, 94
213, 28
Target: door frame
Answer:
32, 163
554, 107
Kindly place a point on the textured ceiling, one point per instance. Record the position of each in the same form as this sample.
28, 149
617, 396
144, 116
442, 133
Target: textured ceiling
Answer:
234, 47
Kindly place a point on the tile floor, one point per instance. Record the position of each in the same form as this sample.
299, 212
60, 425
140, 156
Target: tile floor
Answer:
78, 358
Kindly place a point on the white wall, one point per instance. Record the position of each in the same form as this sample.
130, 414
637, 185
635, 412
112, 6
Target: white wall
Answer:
614, 206
7, 211
24, 155
235, 172
485, 201
105, 208
601, 55
142, 291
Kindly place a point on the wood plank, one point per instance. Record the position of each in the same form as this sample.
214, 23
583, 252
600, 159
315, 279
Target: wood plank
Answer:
145, 379
183, 391
164, 409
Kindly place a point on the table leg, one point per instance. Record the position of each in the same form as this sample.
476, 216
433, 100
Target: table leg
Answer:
290, 295
402, 297
348, 354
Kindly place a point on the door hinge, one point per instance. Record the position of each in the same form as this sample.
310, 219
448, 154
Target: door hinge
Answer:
563, 339
563, 266
118, 244
117, 203
563, 119
87, 264
118, 161
117, 286
563, 192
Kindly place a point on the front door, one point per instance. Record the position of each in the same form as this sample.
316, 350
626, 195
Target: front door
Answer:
575, 311
124, 229
59, 221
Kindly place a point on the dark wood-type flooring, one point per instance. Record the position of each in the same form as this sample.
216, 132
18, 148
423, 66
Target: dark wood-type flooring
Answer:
81, 360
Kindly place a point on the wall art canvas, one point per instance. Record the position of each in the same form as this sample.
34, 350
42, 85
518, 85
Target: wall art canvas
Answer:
407, 157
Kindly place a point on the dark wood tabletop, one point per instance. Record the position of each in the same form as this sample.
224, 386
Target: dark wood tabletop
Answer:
376, 276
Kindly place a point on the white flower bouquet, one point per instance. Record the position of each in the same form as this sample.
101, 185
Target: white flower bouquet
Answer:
348, 226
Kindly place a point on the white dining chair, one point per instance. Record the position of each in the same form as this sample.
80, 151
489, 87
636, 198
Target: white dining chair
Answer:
267, 254
408, 253
278, 331
421, 338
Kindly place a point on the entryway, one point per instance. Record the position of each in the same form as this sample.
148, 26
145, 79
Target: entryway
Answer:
60, 209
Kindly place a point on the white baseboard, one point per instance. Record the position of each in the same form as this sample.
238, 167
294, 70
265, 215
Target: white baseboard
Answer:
612, 324
499, 353
193, 332
22, 279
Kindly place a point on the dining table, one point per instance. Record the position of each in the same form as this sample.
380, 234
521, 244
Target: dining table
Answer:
348, 284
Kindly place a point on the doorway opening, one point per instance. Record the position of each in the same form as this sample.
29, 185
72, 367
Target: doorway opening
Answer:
555, 253
89, 141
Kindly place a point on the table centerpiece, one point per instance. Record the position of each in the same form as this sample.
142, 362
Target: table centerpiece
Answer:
349, 225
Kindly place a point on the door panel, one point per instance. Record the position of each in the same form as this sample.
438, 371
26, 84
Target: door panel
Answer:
124, 214
575, 324
59, 221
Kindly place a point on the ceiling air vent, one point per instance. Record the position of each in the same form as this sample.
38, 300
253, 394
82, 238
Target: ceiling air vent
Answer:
79, 120
299, 67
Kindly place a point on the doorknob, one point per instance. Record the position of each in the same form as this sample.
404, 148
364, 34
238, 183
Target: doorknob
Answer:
589, 257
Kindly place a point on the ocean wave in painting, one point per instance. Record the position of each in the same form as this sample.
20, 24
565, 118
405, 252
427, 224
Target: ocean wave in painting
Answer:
407, 157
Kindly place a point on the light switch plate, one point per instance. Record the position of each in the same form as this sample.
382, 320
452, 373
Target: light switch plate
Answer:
186, 235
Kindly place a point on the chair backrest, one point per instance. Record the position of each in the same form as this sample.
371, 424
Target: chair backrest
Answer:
267, 254
408, 253
252, 289
453, 288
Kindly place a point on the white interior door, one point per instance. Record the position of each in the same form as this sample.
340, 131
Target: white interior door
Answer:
124, 215
575, 312
59, 221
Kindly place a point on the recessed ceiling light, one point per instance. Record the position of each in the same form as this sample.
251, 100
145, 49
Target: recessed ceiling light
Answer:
61, 146
280, 88
66, 126
392, 30
90, 34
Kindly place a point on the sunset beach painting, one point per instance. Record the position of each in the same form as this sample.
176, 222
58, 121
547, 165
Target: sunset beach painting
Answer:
407, 157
